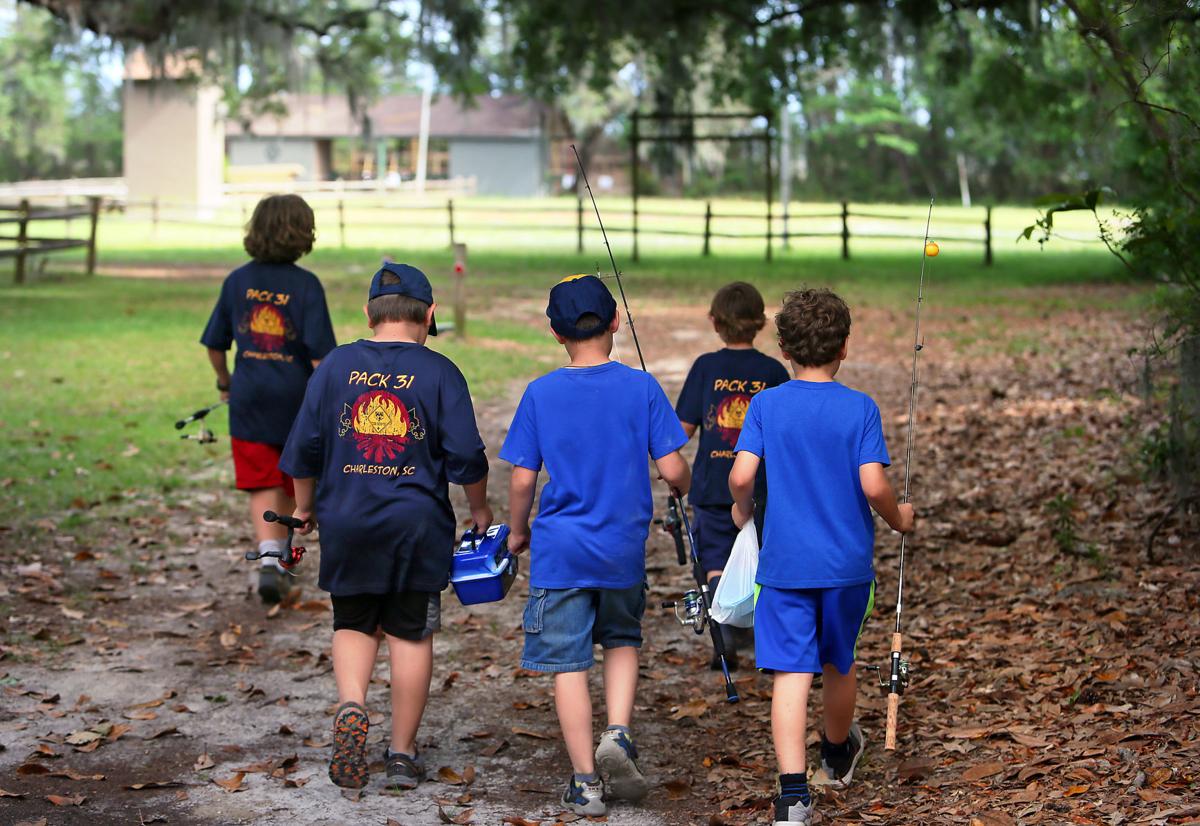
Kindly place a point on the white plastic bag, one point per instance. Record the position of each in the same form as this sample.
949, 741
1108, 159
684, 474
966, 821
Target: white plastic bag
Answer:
733, 603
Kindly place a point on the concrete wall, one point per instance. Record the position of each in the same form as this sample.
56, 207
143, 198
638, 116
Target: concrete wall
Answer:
174, 142
257, 150
502, 167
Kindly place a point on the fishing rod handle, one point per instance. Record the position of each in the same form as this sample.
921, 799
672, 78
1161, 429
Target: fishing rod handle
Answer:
893, 700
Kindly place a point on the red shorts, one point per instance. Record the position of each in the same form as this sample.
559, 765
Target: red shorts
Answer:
256, 466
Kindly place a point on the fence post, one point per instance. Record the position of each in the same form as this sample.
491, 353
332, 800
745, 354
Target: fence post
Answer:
633, 148
578, 222
22, 235
450, 214
460, 296
154, 218
94, 211
987, 238
707, 224
845, 230
342, 222
770, 183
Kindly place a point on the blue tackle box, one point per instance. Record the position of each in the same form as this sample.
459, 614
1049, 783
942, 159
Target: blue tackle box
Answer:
482, 569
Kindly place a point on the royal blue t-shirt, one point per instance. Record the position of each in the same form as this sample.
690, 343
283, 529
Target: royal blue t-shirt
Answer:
814, 436
384, 427
592, 428
277, 315
715, 397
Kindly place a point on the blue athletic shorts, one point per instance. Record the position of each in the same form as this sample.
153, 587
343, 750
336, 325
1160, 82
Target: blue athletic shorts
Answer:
802, 630
714, 532
563, 625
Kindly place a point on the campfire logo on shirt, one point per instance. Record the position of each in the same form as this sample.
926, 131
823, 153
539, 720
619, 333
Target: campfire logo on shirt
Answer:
728, 416
380, 424
268, 327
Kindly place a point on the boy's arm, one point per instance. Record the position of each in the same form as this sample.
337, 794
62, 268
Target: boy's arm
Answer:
688, 428
879, 493
520, 502
217, 358
674, 470
477, 500
305, 494
741, 486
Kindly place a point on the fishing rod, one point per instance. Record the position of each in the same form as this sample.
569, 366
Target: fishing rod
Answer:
898, 670
696, 602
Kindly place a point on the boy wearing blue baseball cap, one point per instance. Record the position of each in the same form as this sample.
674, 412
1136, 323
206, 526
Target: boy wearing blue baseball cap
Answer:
592, 425
385, 426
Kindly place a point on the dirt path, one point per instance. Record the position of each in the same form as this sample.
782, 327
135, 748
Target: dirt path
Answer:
1055, 681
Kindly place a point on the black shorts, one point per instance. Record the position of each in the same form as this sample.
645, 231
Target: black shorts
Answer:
407, 615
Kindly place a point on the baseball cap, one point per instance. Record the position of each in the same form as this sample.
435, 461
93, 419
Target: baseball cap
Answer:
412, 283
574, 297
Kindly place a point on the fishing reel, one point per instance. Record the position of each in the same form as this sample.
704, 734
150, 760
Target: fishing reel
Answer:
289, 558
903, 674
689, 610
672, 523
204, 436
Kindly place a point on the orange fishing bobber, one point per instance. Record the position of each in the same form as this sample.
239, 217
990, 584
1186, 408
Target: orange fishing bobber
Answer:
932, 249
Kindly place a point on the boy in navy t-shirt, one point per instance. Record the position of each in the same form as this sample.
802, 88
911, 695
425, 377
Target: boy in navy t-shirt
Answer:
276, 313
592, 425
714, 400
385, 426
825, 454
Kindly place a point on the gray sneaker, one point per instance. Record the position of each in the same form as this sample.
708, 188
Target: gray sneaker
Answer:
790, 811
404, 771
273, 584
585, 799
616, 761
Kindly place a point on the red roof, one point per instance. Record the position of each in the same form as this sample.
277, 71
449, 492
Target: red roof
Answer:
399, 116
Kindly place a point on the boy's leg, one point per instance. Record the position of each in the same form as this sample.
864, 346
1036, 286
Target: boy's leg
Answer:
574, 706
715, 533
558, 640
409, 621
789, 720
619, 630
844, 612
354, 652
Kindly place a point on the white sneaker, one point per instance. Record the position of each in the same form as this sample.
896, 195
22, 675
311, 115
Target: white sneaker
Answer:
585, 799
838, 773
616, 762
790, 811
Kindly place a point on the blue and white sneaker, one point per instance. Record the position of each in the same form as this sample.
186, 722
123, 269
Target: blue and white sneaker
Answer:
616, 762
790, 811
585, 799
838, 765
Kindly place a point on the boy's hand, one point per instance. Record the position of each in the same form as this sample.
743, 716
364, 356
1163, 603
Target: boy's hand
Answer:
518, 538
224, 394
307, 518
740, 517
483, 518
908, 518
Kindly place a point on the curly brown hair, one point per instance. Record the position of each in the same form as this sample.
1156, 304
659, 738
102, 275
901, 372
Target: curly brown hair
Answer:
737, 312
281, 230
813, 326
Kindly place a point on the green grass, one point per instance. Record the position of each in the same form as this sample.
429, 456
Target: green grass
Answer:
95, 371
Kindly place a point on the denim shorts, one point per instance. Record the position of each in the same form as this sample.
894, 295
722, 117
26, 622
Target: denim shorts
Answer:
563, 625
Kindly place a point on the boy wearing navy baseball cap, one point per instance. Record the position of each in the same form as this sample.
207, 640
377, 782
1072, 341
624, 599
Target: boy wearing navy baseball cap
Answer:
385, 426
591, 424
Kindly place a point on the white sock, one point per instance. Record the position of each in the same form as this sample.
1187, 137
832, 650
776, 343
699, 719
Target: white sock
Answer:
279, 545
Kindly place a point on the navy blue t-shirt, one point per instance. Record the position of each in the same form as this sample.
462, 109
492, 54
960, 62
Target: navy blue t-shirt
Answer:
814, 436
385, 427
277, 315
715, 397
592, 428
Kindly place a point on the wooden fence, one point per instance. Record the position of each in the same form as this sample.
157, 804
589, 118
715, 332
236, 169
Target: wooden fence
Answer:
27, 245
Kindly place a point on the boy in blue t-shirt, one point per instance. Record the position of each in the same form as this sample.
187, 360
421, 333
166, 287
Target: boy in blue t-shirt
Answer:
276, 313
385, 426
714, 400
592, 424
825, 454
